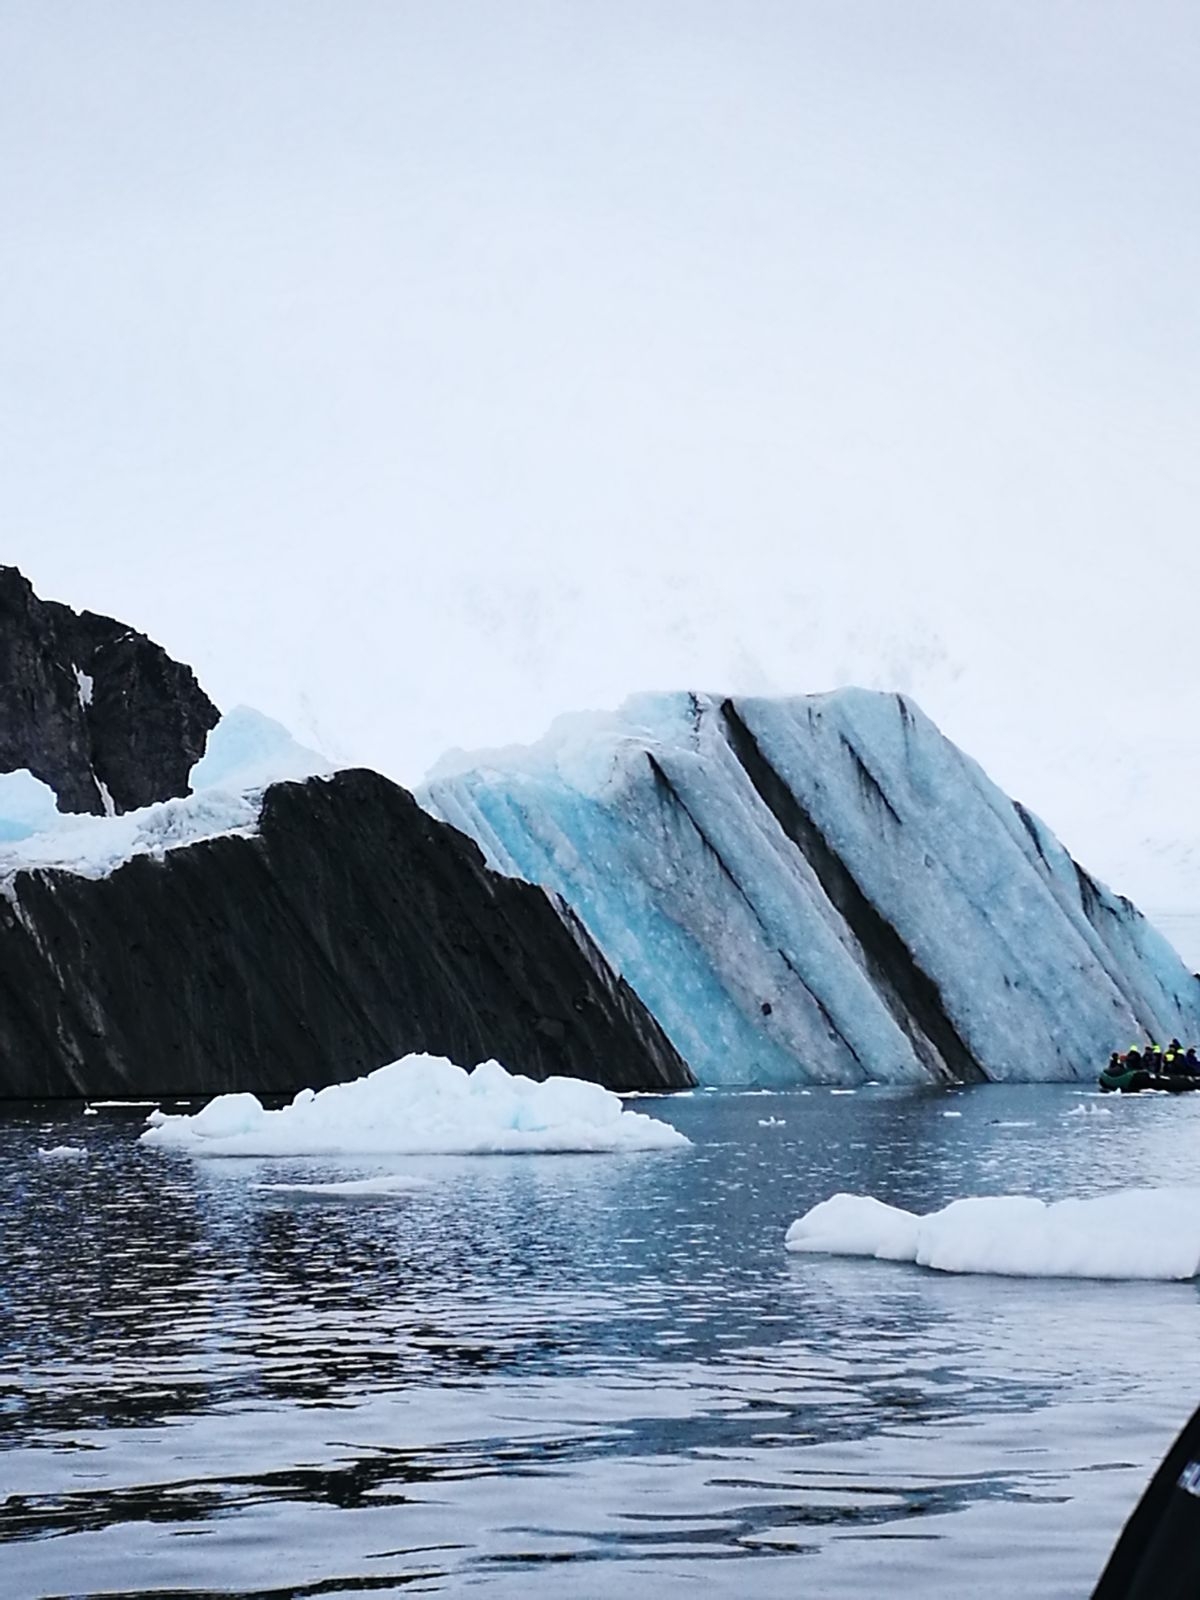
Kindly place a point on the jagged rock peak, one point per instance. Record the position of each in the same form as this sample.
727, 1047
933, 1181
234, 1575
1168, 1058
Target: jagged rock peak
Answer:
93, 707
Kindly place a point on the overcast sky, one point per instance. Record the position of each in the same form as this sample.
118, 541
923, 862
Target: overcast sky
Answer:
419, 371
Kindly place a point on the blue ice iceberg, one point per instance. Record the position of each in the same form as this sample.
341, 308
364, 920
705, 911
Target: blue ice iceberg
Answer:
822, 888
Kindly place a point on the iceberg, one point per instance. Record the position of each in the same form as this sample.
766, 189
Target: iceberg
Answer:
1134, 1233
291, 939
421, 1105
247, 752
823, 889
27, 805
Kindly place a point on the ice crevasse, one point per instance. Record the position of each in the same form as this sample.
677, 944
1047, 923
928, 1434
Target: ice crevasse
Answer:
822, 888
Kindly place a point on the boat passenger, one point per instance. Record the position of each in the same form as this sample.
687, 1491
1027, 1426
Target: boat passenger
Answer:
1191, 1063
1133, 1059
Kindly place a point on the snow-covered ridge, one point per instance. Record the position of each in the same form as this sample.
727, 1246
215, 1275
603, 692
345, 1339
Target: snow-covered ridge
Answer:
822, 888
245, 754
1136, 1233
420, 1105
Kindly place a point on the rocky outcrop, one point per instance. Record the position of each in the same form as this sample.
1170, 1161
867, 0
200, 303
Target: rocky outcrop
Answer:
824, 889
350, 929
92, 707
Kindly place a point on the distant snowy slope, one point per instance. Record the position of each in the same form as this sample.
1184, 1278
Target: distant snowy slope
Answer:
824, 888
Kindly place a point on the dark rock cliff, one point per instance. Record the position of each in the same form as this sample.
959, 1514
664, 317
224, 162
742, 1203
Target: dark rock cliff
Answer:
92, 706
352, 929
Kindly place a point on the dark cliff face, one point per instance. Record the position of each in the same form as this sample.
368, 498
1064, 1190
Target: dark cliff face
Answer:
352, 929
87, 702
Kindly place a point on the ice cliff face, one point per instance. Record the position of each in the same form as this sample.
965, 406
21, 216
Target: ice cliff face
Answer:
91, 707
339, 928
823, 888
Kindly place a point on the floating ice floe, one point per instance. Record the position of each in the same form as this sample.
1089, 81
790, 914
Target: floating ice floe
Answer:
63, 1152
422, 1105
1134, 1233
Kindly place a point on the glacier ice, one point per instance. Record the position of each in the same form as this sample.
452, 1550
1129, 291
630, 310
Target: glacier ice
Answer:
246, 753
822, 888
94, 846
1134, 1233
419, 1105
27, 805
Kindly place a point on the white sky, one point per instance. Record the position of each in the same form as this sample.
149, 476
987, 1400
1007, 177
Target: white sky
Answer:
419, 371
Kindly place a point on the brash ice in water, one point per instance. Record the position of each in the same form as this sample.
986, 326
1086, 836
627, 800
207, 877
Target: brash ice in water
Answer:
577, 1375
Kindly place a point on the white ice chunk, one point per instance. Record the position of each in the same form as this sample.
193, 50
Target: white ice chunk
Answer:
95, 846
1134, 1233
62, 1152
248, 751
27, 805
419, 1105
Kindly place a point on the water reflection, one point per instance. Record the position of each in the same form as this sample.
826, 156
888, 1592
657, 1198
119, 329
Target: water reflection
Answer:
583, 1366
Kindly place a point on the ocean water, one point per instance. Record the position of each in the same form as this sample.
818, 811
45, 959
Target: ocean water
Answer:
578, 1375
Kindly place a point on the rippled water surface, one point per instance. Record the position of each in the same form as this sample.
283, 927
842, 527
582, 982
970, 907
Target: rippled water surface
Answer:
577, 1376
